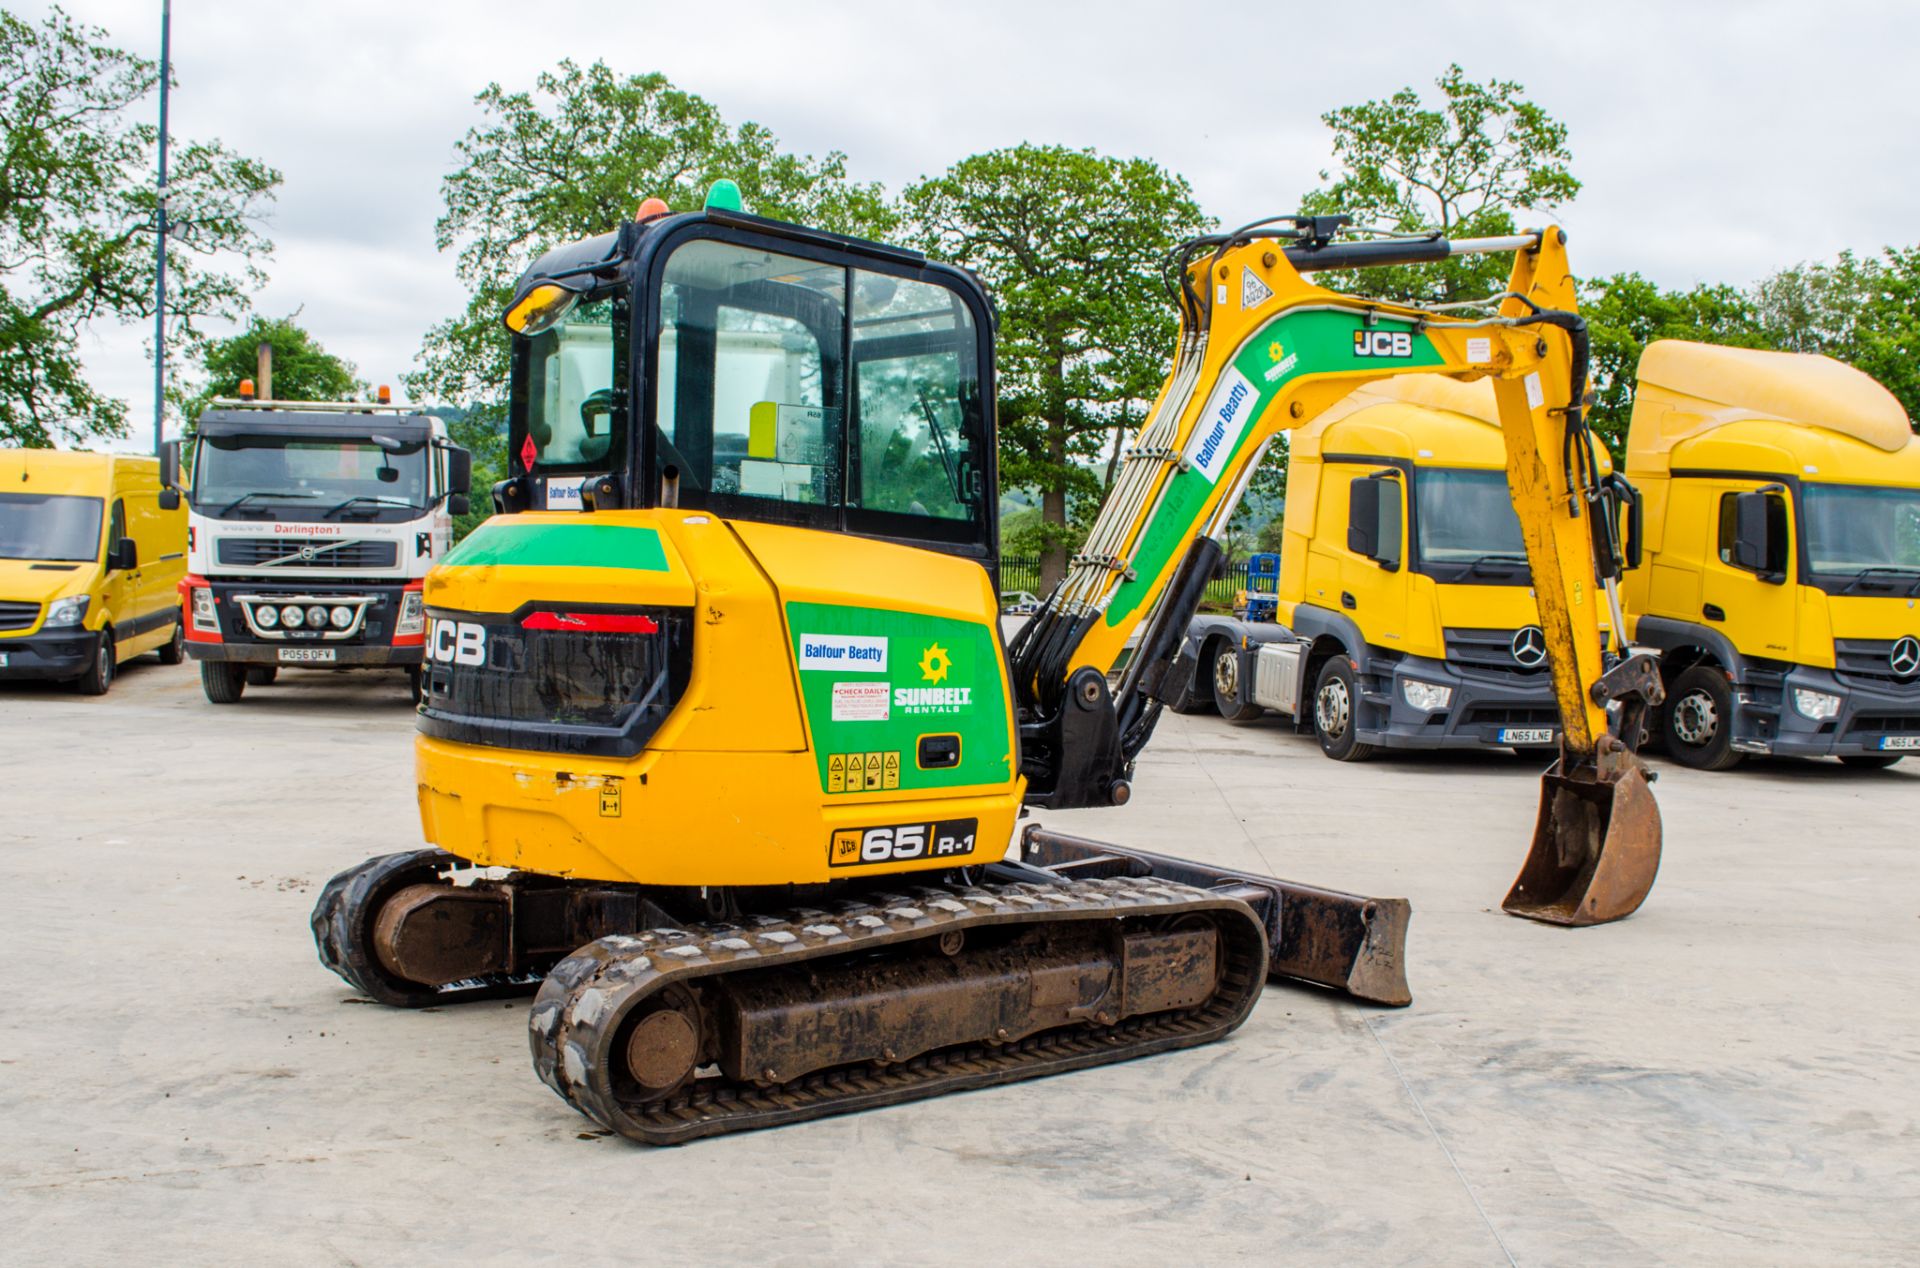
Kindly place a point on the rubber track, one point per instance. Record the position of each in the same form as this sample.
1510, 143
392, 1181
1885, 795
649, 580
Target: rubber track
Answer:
342, 923
576, 1018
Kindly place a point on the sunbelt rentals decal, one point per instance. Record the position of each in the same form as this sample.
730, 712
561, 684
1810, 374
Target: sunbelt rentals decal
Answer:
1222, 424
936, 666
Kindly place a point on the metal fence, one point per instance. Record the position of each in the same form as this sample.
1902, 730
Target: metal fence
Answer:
1022, 572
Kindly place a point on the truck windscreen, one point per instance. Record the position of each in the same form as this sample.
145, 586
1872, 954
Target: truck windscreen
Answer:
1851, 527
43, 526
236, 473
1466, 517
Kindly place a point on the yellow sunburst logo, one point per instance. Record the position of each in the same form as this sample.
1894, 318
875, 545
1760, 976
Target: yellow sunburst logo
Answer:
934, 663
1275, 352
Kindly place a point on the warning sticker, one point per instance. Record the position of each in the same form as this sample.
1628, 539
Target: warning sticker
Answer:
860, 701
1536, 395
1253, 291
1479, 350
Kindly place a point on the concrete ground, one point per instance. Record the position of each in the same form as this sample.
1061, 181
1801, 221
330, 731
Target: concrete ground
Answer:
1729, 1076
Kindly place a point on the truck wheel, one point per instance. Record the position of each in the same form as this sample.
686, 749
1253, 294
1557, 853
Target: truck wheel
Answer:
1336, 700
1870, 761
223, 680
1699, 720
262, 675
1226, 687
174, 650
99, 675
416, 683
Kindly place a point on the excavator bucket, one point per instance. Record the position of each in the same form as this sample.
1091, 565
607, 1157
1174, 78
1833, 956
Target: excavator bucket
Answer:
1596, 848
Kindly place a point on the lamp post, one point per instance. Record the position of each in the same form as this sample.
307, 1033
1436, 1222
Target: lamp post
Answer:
160, 241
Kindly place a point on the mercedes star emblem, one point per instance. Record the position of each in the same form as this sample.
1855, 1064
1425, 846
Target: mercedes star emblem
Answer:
1530, 647
1905, 656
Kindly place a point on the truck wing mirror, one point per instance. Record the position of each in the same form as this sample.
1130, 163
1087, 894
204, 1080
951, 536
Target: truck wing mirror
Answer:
458, 504
459, 471
1753, 546
124, 556
1373, 519
170, 470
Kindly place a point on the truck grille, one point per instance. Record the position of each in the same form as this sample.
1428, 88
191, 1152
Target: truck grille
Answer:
257, 552
1865, 662
1487, 650
17, 616
1502, 715
529, 682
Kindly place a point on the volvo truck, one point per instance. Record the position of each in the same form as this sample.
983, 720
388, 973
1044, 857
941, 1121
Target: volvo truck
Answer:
1781, 585
1404, 614
310, 529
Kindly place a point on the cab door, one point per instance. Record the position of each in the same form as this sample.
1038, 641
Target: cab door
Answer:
119, 587
1373, 588
161, 537
1753, 607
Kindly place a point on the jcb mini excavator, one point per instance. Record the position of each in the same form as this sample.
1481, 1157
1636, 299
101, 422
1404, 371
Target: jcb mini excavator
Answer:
722, 748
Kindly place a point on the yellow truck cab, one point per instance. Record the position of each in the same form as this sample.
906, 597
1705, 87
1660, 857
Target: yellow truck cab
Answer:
91, 548
1781, 575
1405, 616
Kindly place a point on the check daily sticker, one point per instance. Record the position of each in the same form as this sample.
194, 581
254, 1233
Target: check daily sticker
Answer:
844, 652
861, 702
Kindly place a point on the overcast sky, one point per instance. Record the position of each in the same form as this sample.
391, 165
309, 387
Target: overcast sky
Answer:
1717, 141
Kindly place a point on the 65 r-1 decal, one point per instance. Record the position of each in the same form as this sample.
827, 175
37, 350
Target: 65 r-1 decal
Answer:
898, 842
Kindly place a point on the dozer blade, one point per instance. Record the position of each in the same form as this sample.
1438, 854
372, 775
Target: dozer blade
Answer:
1596, 848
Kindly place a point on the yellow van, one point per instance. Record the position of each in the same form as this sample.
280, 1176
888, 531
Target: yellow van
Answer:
91, 552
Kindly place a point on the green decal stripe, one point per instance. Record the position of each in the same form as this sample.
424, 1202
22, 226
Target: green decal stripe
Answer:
560, 546
1316, 343
929, 658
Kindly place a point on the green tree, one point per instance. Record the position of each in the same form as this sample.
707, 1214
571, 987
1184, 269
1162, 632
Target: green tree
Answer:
1463, 166
1626, 312
77, 211
1864, 310
302, 369
1071, 241
574, 158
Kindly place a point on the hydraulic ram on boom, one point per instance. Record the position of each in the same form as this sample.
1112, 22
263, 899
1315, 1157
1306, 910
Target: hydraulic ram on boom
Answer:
1263, 350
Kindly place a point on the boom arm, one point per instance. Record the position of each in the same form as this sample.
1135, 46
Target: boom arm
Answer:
1264, 350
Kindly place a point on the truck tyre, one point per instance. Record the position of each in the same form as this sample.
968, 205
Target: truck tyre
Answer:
1336, 700
1226, 687
223, 680
416, 683
99, 673
1698, 720
262, 675
174, 650
1870, 761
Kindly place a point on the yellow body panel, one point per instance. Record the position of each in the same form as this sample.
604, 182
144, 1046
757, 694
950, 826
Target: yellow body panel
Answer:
1731, 421
136, 601
729, 790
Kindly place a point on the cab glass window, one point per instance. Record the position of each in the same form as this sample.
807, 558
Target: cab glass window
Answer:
49, 526
573, 414
1777, 542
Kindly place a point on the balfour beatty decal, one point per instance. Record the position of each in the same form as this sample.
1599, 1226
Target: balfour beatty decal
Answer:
1221, 426
1289, 347
837, 651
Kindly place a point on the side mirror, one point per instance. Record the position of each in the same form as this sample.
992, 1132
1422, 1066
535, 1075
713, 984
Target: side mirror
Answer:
459, 471
123, 556
169, 499
387, 475
1752, 533
458, 504
170, 471
1373, 520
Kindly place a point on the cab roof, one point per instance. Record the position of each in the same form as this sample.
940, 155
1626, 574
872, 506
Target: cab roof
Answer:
66, 470
1427, 419
1688, 391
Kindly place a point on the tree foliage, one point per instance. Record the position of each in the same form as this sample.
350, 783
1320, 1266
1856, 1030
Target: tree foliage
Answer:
1465, 166
1071, 242
574, 158
1864, 310
302, 369
77, 208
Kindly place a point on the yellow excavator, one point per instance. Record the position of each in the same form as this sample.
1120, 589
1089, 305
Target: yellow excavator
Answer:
722, 748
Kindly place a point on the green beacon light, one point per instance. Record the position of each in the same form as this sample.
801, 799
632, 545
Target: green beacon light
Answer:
725, 195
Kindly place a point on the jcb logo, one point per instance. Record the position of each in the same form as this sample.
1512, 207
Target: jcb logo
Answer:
1382, 343
458, 643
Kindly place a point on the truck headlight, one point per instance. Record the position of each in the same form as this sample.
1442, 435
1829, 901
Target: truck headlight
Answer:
205, 618
341, 616
1426, 695
266, 615
293, 616
68, 611
413, 614
1818, 705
